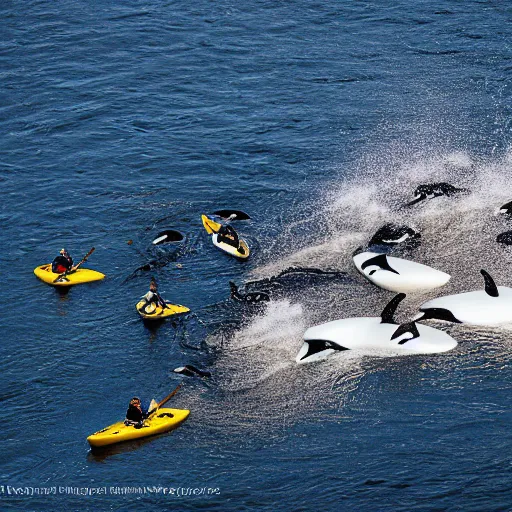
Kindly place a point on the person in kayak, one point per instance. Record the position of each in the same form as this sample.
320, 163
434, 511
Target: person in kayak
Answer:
62, 263
135, 415
228, 235
152, 297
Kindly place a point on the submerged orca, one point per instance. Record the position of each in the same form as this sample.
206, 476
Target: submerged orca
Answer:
248, 298
506, 209
505, 238
192, 371
372, 333
491, 306
392, 234
167, 236
232, 214
430, 190
296, 279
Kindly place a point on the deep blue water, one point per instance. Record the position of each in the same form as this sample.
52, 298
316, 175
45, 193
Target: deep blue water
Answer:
120, 120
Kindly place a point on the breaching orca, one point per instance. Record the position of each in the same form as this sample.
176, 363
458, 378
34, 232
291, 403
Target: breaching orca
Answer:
505, 238
392, 235
431, 190
372, 333
398, 274
248, 298
491, 306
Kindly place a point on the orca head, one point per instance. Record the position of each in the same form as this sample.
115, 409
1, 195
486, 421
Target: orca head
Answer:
168, 236
393, 234
316, 350
436, 314
232, 214
506, 209
430, 190
191, 371
379, 262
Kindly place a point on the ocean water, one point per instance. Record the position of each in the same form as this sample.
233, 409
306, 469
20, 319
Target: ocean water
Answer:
318, 119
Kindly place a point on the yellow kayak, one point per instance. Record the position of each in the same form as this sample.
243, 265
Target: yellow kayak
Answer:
241, 252
79, 276
161, 421
212, 228
154, 312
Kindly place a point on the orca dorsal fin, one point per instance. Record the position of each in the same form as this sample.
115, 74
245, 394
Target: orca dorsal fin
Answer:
380, 261
409, 327
490, 286
234, 291
389, 311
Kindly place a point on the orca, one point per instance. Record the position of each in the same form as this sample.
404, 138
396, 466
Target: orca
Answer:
392, 235
248, 298
506, 209
232, 214
398, 274
505, 238
191, 371
491, 306
431, 190
167, 236
372, 333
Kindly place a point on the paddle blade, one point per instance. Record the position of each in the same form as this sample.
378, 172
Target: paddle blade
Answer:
210, 225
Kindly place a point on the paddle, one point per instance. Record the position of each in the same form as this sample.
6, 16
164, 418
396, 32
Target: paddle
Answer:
72, 269
165, 400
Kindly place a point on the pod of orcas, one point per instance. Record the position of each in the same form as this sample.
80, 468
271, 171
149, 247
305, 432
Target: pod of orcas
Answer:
491, 306
488, 307
386, 239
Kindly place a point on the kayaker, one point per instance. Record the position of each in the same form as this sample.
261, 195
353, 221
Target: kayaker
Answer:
229, 236
62, 263
153, 297
135, 415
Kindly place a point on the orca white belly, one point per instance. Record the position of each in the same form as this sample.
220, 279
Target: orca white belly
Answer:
369, 334
397, 274
477, 308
